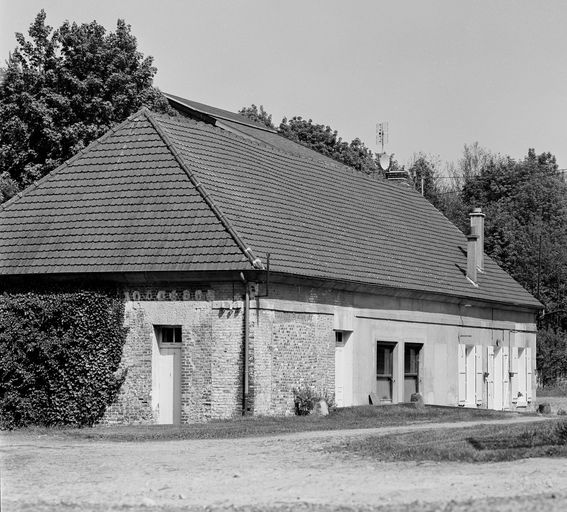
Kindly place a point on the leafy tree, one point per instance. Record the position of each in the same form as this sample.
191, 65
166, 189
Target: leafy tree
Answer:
526, 226
526, 233
424, 174
319, 137
258, 114
63, 89
326, 141
551, 355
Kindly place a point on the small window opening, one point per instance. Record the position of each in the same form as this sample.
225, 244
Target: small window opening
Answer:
168, 334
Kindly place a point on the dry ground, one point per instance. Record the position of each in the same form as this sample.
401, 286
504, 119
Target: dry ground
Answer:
284, 472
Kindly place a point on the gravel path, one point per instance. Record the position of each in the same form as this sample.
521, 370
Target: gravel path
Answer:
279, 473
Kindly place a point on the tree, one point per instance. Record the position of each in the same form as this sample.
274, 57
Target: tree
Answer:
63, 89
325, 140
258, 114
526, 226
318, 137
526, 233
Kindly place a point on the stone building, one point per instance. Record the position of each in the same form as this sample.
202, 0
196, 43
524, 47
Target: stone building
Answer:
252, 265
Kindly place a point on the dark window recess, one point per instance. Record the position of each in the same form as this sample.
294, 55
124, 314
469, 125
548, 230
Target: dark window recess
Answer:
338, 336
384, 360
170, 334
411, 360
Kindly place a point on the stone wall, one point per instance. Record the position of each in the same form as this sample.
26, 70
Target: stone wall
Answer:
287, 349
211, 351
290, 349
292, 343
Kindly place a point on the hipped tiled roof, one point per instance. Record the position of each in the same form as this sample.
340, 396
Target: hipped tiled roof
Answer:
162, 193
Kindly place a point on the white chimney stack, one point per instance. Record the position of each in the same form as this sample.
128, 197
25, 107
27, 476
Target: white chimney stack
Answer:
477, 227
472, 268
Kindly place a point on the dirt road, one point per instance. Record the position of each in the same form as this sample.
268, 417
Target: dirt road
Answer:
290, 471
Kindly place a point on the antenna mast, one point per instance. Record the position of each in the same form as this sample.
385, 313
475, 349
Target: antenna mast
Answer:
382, 137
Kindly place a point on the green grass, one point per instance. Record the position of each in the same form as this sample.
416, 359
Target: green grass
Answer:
345, 418
483, 443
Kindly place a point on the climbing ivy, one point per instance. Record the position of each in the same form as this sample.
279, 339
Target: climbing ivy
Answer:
60, 351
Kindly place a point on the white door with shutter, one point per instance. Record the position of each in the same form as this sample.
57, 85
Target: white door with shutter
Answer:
340, 370
498, 379
490, 387
166, 388
168, 385
529, 372
471, 375
479, 376
462, 365
505, 378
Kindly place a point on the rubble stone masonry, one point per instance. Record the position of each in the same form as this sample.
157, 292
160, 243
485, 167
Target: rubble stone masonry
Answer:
287, 348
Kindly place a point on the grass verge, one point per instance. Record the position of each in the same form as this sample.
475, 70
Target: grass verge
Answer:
483, 443
341, 419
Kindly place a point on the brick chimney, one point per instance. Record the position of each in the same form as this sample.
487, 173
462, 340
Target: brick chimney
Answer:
477, 227
400, 176
472, 243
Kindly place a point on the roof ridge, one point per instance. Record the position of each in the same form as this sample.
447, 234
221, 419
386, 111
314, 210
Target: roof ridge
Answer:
71, 160
254, 261
191, 104
325, 160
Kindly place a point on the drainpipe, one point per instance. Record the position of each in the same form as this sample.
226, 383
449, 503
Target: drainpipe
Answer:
245, 385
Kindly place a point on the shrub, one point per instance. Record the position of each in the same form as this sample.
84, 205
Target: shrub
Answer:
306, 397
551, 357
59, 355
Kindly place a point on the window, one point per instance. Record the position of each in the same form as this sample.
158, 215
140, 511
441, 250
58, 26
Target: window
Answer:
385, 371
168, 335
411, 359
384, 362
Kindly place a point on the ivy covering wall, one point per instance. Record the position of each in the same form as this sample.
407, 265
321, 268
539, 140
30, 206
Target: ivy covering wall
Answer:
60, 351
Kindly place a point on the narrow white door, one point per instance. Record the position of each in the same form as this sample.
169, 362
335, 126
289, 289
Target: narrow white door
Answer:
169, 385
505, 378
498, 380
166, 388
490, 377
340, 340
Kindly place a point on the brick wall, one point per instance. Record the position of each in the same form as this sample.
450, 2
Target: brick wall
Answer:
287, 348
290, 349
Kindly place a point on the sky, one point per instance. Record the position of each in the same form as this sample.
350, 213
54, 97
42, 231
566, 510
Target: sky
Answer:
441, 73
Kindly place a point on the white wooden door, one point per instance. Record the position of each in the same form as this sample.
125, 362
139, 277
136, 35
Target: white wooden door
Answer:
505, 378
340, 373
498, 380
169, 385
490, 377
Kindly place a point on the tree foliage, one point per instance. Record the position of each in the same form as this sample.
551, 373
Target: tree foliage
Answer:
526, 221
258, 114
63, 89
59, 355
325, 140
525, 202
319, 137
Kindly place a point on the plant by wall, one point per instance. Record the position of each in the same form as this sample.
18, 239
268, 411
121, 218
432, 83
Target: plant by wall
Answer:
306, 397
59, 355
